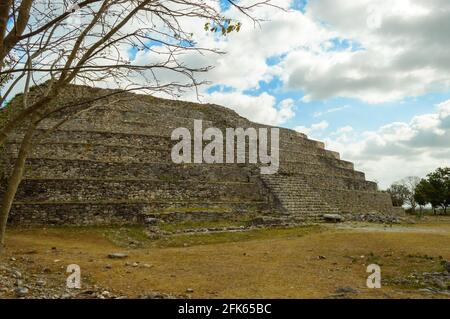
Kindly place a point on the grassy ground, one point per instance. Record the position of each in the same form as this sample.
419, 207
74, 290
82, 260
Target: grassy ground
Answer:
303, 262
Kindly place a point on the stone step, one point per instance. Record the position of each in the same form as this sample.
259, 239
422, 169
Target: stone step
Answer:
126, 212
353, 201
61, 190
58, 168
97, 152
73, 168
101, 137
317, 181
162, 116
152, 106
159, 141
299, 168
324, 162
126, 153
295, 196
339, 182
102, 124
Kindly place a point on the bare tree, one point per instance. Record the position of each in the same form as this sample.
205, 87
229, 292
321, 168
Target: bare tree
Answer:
411, 183
62, 43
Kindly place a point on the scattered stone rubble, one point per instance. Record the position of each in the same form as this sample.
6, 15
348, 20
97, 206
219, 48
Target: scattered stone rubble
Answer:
18, 280
18, 283
376, 218
437, 282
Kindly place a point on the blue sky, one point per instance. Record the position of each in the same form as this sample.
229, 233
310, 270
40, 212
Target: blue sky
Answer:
345, 111
370, 78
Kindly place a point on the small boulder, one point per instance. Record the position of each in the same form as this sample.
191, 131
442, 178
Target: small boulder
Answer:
117, 255
446, 266
333, 218
46, 270
151, 221
346, 290
21, 291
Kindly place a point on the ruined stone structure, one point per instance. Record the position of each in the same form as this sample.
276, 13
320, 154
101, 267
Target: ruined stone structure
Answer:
112, 164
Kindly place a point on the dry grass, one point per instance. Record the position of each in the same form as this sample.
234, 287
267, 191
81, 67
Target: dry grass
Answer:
260, 264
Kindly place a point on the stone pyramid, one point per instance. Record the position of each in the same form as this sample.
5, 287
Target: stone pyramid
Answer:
111, 164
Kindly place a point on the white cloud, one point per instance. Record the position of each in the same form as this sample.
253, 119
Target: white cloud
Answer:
444, 108
344, 130
314, 128
395, 49
408, 54
259, 109
331, 110
398, 149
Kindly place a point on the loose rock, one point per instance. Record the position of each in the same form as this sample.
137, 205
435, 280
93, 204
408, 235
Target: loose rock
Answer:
118, 255
151, 221
447, 266
16, 274
333, 218
21, 291
346, 290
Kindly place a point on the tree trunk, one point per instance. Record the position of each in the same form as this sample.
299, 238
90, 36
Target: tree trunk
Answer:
14, 181
413, 207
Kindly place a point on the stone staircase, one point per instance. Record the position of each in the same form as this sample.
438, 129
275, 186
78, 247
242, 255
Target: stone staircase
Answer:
296, 198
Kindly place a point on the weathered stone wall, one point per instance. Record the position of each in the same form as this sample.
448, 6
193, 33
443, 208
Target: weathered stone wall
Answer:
351, 201
72, 169
128, 213
112, 164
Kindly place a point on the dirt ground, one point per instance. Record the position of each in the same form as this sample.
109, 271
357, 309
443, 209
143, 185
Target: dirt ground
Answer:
321, 261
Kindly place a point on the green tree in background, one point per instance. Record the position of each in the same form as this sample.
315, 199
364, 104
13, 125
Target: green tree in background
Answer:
435, 190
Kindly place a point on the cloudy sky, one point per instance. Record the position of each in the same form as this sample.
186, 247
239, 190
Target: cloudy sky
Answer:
371, 78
